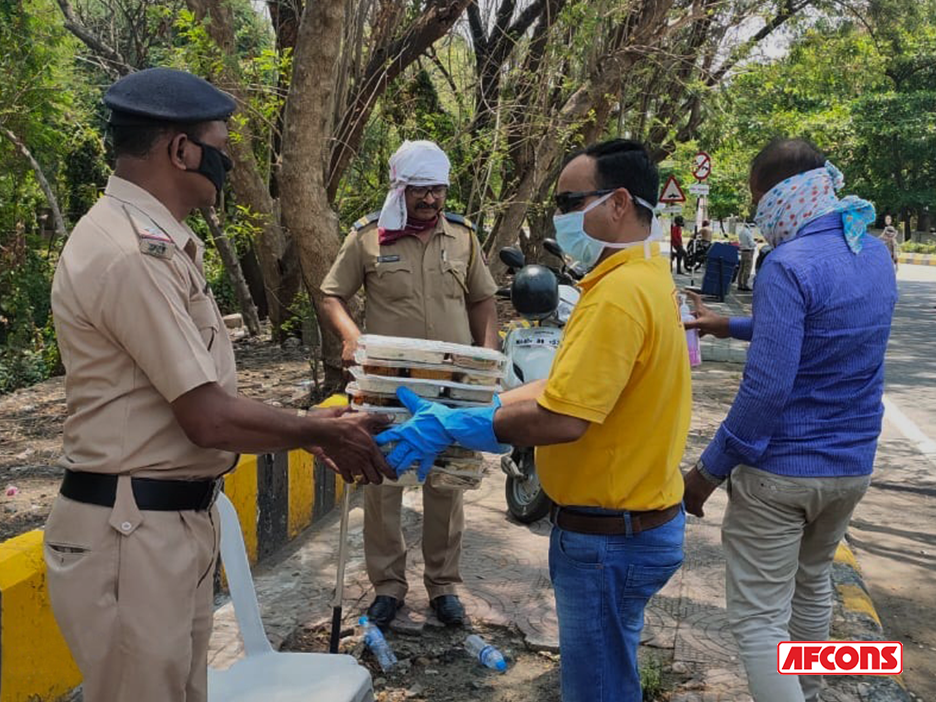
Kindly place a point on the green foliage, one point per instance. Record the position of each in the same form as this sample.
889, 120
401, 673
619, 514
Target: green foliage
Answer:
862, 91
28, 352
36, 60
917, 248
651, 679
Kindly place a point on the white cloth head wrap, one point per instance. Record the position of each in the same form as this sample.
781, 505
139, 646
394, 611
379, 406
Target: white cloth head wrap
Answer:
414, 163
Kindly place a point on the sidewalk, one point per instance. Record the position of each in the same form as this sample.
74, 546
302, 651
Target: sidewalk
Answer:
507, 582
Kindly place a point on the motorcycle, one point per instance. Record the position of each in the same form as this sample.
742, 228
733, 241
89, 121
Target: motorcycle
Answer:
544, 296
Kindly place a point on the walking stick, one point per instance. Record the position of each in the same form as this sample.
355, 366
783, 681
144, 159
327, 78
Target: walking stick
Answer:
339, 582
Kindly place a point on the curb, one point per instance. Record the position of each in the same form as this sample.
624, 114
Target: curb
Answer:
723, 350
276, 496
856, 619
917, 259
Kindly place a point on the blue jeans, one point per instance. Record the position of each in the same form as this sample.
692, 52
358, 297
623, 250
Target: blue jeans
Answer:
602, 586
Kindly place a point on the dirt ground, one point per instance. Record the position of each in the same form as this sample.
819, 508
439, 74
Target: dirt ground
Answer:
31, 422
434, 666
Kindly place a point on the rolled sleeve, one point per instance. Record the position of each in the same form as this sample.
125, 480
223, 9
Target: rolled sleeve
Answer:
145, 307
347, 272
594, 364
780, 306
481, 285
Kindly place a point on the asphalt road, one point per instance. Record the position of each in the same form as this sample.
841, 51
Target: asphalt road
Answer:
893, 531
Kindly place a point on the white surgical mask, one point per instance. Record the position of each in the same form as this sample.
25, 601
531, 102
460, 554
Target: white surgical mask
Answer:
575, 241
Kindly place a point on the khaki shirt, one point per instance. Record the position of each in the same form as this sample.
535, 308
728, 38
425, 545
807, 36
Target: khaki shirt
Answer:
137, 327
412, 289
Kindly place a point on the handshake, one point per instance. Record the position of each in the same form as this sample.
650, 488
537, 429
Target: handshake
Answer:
433, 428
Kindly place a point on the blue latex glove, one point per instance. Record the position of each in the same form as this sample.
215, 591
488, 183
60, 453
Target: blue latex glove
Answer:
433, 428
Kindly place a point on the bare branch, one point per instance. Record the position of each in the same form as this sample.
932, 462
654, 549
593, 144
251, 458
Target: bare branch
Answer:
386, 63
229, 257
60, 230
115, 64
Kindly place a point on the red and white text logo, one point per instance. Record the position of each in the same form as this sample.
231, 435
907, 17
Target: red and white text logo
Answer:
840, 657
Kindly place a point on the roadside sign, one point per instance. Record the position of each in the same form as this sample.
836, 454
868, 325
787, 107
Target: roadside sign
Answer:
672, 192
699, 189
702, 166
672, 209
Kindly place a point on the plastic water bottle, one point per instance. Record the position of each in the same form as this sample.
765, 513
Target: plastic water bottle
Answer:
375, 641
692, 335
487, 655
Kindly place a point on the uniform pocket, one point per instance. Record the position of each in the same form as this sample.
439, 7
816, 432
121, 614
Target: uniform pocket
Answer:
455, 275
392, 281
64, 554
203, 314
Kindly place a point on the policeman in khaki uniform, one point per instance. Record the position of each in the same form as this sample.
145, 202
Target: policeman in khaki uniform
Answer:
424, 278
154, 418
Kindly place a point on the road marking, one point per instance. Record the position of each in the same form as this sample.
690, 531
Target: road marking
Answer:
911, 431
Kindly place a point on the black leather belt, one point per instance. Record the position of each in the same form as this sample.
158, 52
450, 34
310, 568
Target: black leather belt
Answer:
610, 524
150, 493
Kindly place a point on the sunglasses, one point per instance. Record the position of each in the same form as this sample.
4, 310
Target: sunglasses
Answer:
569, 202
420, 192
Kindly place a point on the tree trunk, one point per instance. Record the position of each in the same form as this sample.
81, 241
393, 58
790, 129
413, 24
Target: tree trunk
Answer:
250, 265
306, 210
232, 266
60, 230
249, 186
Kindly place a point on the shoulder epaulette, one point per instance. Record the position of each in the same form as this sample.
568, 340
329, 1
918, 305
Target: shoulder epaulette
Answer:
459, 219
153, 240
366, 219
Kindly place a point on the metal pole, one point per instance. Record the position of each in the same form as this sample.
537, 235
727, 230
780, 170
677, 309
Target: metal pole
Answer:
721, 280
339, 581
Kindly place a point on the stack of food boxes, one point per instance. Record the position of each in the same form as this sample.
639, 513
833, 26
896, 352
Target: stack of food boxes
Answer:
453, 374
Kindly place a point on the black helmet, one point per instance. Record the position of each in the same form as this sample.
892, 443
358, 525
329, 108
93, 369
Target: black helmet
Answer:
535, 292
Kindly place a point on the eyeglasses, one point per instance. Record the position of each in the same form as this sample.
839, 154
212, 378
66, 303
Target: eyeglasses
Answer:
420, 192
567, 202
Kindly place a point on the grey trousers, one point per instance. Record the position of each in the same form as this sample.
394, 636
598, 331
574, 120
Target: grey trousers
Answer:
780, 535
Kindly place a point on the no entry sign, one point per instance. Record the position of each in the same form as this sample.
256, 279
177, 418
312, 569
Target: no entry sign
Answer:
702, 166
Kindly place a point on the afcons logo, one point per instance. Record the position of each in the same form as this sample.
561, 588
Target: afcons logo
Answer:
839, 657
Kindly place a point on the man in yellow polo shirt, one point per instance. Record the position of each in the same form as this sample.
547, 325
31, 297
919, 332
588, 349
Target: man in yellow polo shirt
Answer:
611, 421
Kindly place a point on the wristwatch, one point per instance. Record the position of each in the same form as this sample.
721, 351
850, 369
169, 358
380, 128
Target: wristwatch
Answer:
712, 479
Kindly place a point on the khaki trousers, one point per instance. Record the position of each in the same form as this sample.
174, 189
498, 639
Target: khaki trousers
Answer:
385, 548
135, 609
780, 536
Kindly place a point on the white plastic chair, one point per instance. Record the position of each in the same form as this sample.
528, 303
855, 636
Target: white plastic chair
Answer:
265, 675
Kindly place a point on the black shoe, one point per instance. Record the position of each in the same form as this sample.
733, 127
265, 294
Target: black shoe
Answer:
383, 610
448, 609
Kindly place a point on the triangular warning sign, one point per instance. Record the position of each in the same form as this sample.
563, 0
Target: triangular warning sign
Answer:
672, 192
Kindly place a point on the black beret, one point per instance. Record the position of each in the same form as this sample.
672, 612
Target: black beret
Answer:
166, 95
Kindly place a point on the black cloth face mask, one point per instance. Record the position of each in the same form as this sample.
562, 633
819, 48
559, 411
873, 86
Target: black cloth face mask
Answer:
214, 164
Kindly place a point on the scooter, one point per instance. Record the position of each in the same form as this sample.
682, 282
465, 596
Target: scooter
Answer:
530, 347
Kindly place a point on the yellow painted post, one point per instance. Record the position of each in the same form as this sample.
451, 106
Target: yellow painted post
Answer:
35, 662
301, 491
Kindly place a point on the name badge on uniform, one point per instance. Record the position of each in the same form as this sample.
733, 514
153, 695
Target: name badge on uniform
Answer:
153, 240
157, 247
390, 258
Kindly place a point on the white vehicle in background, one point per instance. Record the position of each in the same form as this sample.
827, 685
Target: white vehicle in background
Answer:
544, 297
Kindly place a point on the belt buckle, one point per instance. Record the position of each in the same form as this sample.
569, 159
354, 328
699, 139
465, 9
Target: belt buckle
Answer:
211, 496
